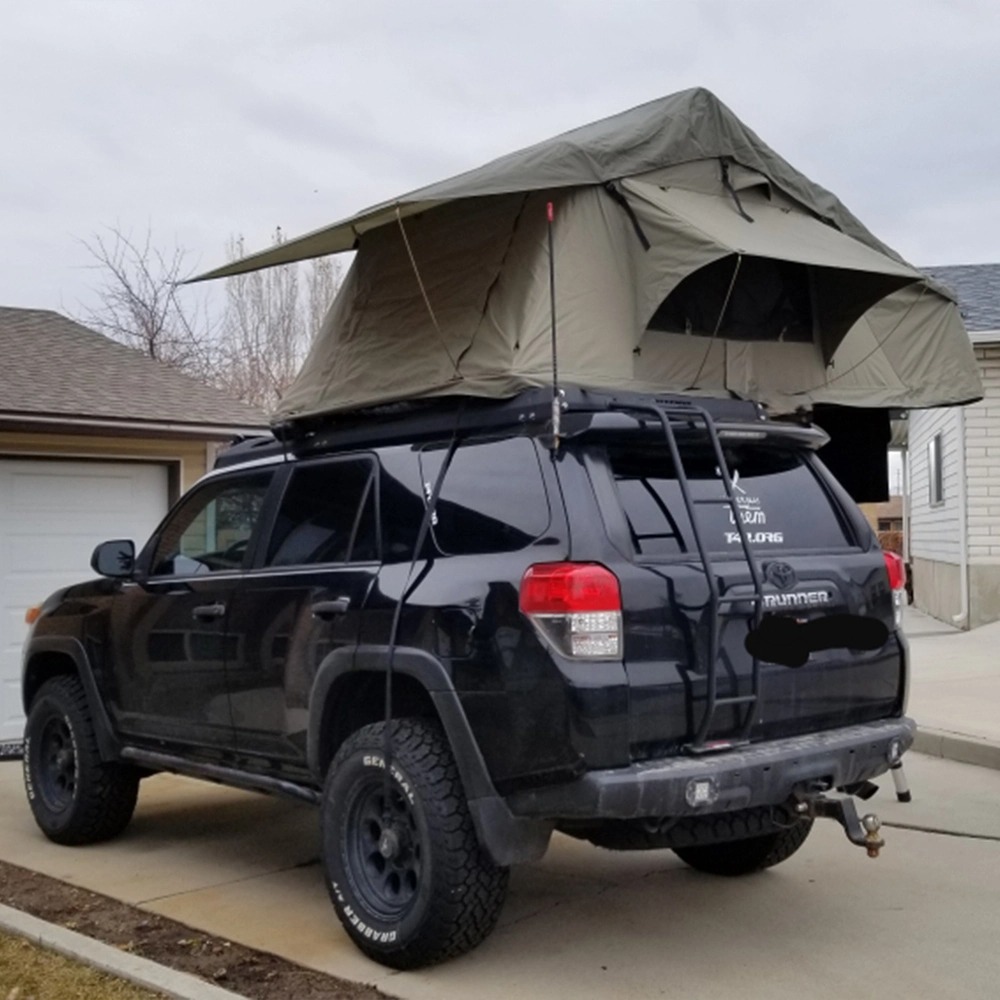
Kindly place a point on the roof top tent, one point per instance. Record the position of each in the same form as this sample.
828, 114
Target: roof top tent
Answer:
688, 257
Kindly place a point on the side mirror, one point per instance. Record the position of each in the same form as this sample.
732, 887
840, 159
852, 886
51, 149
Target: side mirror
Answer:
115, 559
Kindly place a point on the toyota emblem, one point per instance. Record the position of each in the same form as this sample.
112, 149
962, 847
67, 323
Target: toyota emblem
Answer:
781, 575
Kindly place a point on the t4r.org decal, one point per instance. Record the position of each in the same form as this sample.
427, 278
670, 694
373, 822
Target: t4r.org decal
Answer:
753, 515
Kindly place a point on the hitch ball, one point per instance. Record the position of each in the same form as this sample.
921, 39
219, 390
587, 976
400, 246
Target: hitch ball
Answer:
873, 842
863, 831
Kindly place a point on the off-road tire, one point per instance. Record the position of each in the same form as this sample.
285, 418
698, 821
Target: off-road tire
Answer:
748, 855
76, 797
440, 895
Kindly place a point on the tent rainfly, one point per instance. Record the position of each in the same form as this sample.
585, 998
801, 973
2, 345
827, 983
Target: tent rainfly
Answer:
688, 257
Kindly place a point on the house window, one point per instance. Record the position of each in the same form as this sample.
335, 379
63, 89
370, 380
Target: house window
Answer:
935, 469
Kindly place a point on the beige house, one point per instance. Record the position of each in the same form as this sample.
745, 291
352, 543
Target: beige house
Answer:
953, 460
96, 441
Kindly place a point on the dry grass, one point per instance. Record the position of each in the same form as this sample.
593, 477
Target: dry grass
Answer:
28, 972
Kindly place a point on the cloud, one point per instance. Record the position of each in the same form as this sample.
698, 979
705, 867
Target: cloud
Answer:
206, 120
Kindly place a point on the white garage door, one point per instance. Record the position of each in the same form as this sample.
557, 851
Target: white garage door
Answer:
52, 514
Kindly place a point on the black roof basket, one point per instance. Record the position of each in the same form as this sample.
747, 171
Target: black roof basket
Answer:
427, 419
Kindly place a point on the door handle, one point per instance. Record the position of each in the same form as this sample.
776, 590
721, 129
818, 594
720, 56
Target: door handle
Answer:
209, 612
330, 609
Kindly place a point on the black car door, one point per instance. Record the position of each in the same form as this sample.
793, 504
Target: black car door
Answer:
170, 643
300, 603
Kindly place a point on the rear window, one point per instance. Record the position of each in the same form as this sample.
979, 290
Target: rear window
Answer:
782, 503
493, 498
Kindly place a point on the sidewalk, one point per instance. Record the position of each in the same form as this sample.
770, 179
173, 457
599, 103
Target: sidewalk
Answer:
955, 689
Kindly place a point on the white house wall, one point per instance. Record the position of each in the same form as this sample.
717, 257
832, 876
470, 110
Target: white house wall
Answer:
934, 530
982, 439
982, 436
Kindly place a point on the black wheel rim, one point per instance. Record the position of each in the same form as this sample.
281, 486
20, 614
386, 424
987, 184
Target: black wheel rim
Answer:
57, 765
384, 849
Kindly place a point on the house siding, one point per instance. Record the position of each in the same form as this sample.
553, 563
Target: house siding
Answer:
935, 530
982, 438
982, 451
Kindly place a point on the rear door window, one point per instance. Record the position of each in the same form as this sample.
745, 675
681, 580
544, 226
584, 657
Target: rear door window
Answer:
782, 503
327, 515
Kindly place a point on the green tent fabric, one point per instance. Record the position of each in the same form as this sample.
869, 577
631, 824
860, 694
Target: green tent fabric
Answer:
688, 257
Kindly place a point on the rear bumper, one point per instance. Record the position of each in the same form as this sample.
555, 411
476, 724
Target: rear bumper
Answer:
758, 775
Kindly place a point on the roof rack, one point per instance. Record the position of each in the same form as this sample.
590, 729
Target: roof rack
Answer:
247, 449
425, 418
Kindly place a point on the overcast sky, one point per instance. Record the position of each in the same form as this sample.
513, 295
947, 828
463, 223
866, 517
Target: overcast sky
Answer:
203, 119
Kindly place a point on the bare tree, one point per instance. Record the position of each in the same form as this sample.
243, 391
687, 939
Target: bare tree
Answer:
253, 351
139, 305
323, 277
269, 324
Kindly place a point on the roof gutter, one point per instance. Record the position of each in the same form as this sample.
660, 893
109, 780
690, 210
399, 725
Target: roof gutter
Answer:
984, 336
132, 427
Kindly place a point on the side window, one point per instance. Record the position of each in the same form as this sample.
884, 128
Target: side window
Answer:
327, 515
493, 497
211, 530
935, 470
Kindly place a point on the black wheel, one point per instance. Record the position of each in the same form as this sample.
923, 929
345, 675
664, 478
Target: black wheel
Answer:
406, 873
751, 854
76, 797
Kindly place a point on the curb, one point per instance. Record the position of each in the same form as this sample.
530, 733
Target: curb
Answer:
113, 961
958, 747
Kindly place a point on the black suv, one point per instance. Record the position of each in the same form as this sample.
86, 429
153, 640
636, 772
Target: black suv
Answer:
457, 628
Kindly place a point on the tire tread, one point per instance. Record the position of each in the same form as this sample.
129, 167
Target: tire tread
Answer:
466, 904
747, 855
106, 791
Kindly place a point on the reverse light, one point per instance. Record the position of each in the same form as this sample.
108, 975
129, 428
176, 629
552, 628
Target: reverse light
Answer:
701, 792
897, 583
575, 608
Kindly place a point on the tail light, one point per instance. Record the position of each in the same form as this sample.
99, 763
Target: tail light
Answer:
575, 607
897, 582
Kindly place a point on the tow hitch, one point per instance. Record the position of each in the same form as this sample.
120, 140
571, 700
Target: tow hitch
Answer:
863, 831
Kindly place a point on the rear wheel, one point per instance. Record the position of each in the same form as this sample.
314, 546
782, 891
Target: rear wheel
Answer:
76, 797
405, 870
752, 854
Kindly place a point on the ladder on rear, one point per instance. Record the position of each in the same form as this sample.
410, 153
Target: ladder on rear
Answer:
678, 413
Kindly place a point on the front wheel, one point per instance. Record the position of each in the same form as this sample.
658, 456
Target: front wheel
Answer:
405, 870
751, 854
76, 797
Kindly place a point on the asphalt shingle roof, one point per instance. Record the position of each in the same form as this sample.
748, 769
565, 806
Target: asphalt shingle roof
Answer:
50, 364
977, 288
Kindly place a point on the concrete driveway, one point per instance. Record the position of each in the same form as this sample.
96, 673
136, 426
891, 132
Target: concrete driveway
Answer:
920, 921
